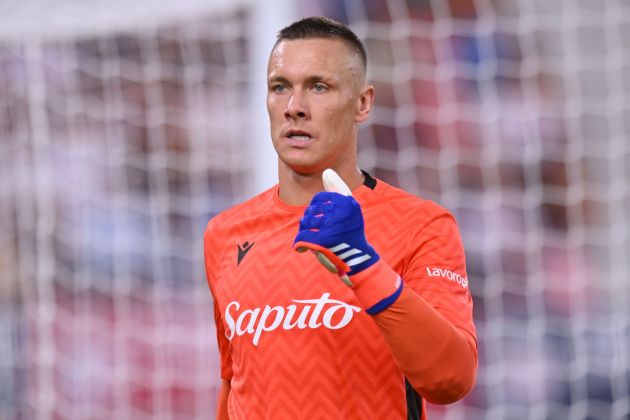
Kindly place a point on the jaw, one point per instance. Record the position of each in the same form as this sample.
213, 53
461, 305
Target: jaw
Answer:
301, 160
312, 160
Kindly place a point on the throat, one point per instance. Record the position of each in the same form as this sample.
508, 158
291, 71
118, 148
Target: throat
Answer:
298, 189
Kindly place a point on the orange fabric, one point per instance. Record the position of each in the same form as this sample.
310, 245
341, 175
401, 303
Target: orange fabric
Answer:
342, 267
446, 370
295, 342
374, 284
224, 392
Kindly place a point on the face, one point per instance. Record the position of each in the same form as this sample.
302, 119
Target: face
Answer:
316, 98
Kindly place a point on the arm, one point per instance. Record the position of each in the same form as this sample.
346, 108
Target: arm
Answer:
211, 262
226, 367
438, 358
224, 392
427, 322
429, 326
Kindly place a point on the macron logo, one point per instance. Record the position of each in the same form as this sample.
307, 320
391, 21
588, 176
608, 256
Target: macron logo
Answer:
447, 274
242, 251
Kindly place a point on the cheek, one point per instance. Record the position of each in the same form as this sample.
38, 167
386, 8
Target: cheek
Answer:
270, 107
340, 117
276, 113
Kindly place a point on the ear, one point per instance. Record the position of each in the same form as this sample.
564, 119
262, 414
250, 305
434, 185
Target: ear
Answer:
364, 103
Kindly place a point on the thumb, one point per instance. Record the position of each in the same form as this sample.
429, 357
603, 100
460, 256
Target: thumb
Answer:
333, 183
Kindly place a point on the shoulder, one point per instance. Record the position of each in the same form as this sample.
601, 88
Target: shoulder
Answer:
403, 205
230, 219
403, 226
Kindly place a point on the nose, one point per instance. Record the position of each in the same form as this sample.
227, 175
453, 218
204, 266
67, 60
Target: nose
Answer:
296, 107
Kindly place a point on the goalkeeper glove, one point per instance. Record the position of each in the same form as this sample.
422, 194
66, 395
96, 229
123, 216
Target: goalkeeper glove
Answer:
333, 226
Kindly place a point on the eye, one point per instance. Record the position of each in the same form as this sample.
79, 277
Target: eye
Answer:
279, 88
320, 87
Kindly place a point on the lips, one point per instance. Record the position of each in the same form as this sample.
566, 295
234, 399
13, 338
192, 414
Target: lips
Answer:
298, 135
298, 138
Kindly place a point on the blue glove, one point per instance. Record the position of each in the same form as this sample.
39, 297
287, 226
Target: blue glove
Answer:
333, 226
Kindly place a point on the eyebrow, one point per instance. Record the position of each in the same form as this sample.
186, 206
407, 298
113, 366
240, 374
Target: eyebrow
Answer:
277, 79
311, 79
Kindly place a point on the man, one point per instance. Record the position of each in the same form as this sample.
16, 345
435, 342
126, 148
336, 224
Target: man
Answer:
295, 341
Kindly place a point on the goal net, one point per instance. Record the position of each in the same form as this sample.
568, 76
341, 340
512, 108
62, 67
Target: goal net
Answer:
126, 125
514, 115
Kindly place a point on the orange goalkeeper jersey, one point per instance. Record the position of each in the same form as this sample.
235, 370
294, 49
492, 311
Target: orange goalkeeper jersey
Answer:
296, 343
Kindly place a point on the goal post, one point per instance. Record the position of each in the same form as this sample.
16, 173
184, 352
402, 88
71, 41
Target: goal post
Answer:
266, 21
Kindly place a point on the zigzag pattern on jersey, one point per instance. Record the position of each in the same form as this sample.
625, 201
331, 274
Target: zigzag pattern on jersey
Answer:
391, 230
314, 373
433, 233
290, 377
303, 373
349, 366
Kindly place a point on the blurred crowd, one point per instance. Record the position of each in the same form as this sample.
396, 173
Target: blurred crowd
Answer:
115, 151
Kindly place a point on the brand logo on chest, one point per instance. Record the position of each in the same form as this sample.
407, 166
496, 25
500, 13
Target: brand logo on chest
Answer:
323, 312
242, 251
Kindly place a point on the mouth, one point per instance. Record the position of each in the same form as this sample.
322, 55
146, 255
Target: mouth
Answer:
298, 137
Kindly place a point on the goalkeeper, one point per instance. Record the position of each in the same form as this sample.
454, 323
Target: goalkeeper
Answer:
378, 323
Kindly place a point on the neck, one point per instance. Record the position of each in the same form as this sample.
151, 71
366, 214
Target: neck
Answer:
298, 189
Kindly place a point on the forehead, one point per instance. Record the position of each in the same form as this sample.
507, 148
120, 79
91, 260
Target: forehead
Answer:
313, 55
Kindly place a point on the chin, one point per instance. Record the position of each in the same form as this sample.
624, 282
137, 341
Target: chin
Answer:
303, 167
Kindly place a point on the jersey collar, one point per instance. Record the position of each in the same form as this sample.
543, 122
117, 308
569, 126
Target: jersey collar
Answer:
370, 188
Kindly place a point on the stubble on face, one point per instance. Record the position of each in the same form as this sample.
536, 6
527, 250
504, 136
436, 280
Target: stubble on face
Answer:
330, 116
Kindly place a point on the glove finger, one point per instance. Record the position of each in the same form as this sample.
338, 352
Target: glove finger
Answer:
340, 266
326, 262
332, 268
311, 222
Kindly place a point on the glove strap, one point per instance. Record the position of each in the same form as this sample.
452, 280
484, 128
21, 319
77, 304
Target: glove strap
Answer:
377, 287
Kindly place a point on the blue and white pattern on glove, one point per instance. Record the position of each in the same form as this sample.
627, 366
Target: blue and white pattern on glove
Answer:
334, 223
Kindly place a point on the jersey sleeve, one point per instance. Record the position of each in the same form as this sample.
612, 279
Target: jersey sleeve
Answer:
211, 252
437, 271
429, 327
223, 344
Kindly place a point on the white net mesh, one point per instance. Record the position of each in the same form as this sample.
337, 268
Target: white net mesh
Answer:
115, 150
513, 114
118, 144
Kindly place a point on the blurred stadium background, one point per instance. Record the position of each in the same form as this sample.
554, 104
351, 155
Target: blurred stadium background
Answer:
126, 125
